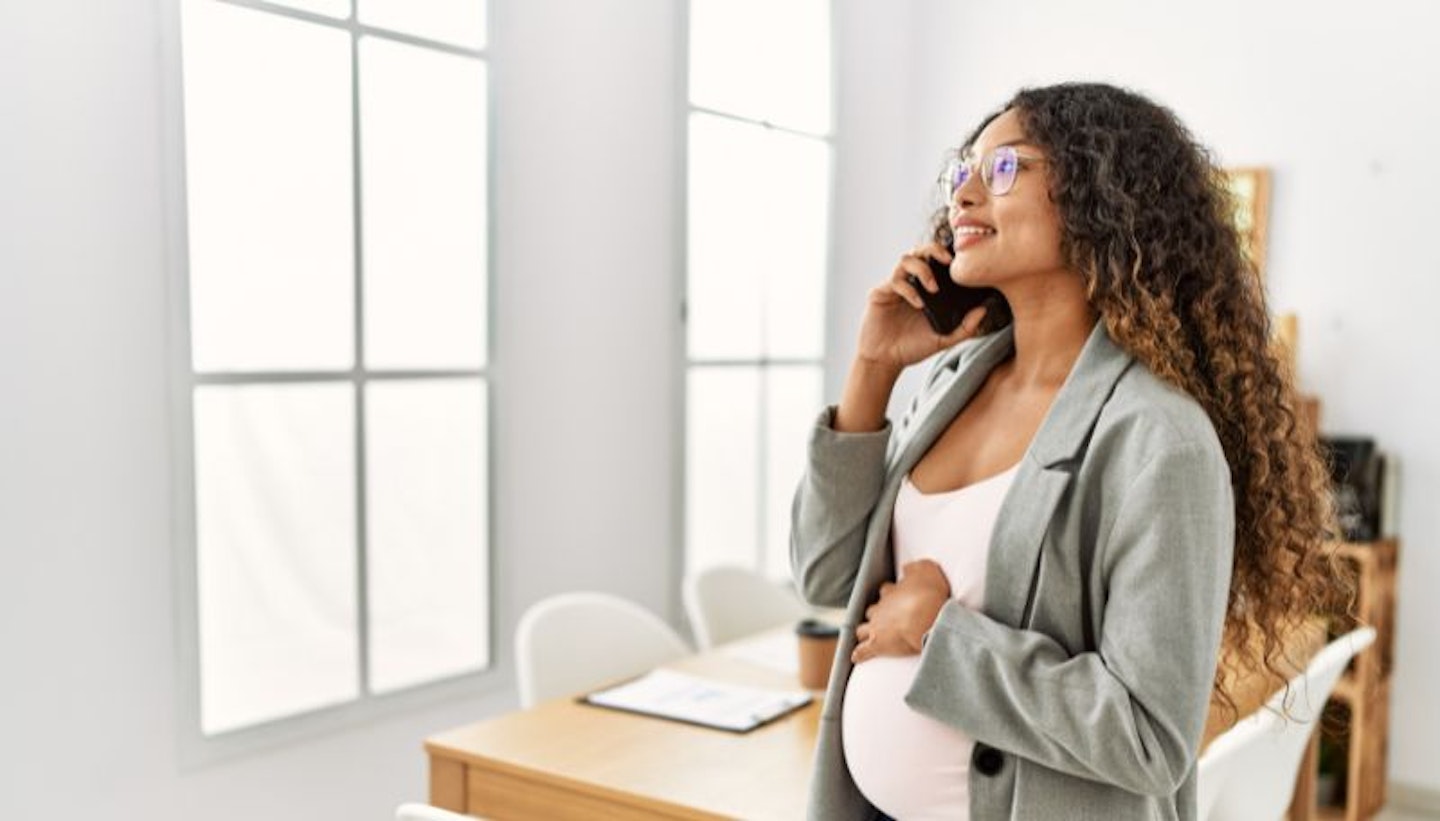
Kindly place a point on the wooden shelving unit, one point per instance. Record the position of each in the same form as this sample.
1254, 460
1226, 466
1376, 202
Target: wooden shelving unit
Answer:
1364, 691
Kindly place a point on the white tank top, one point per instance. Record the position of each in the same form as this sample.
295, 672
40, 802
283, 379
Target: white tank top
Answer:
909, 765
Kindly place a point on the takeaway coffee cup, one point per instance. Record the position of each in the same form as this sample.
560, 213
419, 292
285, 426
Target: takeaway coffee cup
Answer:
817, 641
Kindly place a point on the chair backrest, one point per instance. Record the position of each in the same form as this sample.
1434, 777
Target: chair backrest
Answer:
572, 642
1262, 778
425, 812
1227, 754
727, 603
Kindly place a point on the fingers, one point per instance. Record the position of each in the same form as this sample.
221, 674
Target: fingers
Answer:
900, 284
939, 254
916, 264
970, 325
922, 566
926, 573
935, 250
972, 320
864, 643
902, 612
881, 644
862, 652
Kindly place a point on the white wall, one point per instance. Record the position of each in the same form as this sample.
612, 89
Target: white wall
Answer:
587, 305
1339, 101
876, 213
586, 322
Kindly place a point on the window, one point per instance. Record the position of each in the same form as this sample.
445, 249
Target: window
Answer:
759, 153
336, 215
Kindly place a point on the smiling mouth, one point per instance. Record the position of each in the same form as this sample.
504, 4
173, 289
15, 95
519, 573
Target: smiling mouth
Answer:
967, 235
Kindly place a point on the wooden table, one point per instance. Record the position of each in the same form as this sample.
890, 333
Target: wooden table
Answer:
564, 760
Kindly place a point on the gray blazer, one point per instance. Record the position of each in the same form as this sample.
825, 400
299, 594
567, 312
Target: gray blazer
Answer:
1086, 679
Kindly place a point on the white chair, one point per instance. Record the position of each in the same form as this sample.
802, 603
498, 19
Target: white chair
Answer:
1230, 751
1258, 774
425, 812
727, 603
572, 642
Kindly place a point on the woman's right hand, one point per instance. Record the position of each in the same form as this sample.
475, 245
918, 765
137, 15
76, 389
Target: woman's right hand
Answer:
894, 333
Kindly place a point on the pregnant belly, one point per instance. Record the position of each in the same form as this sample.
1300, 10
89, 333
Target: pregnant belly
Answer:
907, 764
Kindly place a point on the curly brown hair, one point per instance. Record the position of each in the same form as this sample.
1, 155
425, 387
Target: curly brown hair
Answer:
1146, 220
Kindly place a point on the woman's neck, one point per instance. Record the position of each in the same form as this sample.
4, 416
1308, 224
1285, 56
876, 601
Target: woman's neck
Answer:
1052, 321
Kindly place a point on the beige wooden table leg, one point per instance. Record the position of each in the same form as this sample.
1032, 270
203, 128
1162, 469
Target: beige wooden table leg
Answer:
447, 784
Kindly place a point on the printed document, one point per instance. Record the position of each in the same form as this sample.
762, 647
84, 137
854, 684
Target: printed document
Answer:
696, 700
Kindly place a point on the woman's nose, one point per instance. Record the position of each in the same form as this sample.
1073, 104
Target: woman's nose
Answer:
970, 192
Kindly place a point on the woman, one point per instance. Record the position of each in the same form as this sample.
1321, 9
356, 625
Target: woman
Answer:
1103, 473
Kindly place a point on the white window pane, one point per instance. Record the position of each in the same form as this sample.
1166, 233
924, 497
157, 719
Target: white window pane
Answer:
339, 9
721, 465
275, 520
726, 263
427, 523
763, 60
797, 202
424, 152
268, 134
792, 400
461, 22
758, 211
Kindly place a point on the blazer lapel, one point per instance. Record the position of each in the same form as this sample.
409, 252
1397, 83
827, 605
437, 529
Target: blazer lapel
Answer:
1045, 474
948, 392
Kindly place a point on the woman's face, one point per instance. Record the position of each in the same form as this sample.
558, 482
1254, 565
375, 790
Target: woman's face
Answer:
1004, 240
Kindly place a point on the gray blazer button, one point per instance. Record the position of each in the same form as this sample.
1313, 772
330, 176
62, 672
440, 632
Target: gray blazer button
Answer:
987, 760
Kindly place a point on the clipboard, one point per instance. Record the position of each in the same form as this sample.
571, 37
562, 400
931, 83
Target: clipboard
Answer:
677, 696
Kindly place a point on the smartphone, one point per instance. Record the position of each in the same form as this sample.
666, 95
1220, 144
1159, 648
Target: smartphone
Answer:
948, 306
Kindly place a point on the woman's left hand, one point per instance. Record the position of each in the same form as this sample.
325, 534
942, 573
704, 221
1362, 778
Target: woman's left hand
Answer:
894, 625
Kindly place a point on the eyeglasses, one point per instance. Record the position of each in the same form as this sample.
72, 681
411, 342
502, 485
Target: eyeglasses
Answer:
998, 171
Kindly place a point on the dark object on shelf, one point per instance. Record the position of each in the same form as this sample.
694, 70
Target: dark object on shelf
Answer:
1334, 758
1357, 470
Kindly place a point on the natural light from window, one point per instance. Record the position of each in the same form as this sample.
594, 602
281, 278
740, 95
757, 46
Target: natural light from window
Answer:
757, 237
337, 227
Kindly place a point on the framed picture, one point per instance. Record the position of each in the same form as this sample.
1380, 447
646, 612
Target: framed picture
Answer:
1251, 187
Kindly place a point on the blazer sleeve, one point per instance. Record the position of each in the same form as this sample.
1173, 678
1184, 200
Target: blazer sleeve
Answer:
1131, 712
843, 479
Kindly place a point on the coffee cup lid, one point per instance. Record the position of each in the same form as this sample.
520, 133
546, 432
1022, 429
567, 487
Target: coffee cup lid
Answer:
816, 627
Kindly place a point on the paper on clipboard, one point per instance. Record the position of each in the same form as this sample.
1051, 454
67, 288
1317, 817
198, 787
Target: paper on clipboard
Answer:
683, 697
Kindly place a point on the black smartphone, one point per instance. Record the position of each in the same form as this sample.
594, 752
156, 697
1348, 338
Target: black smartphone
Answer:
948, 306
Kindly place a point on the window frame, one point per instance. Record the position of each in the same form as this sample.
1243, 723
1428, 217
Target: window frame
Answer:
196, 749
684, 361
